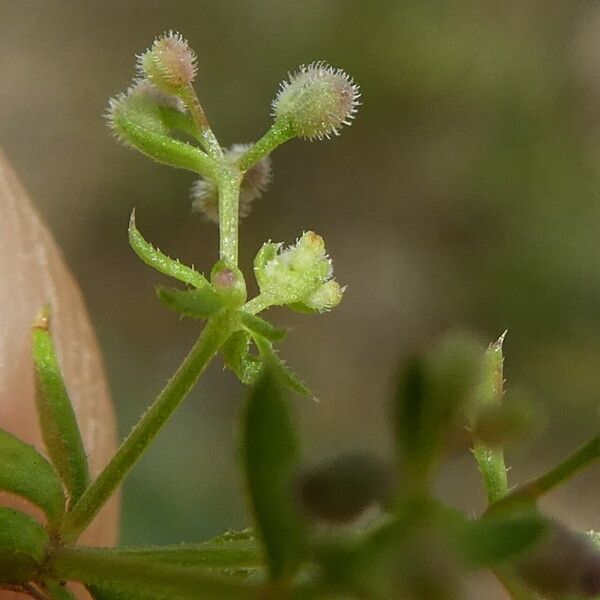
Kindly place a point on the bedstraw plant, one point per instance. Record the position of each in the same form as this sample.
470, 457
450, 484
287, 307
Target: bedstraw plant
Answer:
354, 527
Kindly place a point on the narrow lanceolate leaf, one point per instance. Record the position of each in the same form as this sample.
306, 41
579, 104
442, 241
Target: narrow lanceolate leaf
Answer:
262, 327
235, 550
283, 373
22, 544
159, 147
496, 539
26, 473
197, 304
237, 356
161, 262
132, 577
270, 454
57, 418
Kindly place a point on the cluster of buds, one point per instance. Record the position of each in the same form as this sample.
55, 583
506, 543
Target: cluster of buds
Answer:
299, 276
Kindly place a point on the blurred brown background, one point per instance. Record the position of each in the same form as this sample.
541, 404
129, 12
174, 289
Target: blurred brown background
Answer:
465, 196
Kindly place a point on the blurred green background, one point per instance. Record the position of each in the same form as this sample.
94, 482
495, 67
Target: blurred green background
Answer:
465, 196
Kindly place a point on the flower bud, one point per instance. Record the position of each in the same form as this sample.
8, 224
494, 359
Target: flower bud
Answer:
328, 296
205, 197
229, 284
316, 101
141, 104
296, 274
341, 490
170, 64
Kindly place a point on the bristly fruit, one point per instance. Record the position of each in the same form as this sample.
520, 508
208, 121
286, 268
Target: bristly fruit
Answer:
204, 193
170, 64
316, 101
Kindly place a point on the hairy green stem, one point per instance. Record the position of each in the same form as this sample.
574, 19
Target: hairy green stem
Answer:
229, 191
490, 461
581, 458
129, 573
207, 137
279, 133
212, 338
256, 305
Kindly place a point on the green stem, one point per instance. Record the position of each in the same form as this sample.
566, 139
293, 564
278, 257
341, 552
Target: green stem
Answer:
580, 459
492, 467
229, 191
207, 137
212, 338
490, 461
279, 133
100, 567
256, 305
514, 587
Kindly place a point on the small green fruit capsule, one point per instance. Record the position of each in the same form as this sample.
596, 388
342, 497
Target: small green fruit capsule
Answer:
341, 490
229, 284
170, 64
316, 101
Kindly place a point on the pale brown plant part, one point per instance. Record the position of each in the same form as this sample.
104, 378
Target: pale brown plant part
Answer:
33, 273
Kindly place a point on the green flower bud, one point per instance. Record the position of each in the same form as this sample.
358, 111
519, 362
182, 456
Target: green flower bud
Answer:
328, 296
316, 101
205, 196
170, 64
229, 284
296, 274
141, 104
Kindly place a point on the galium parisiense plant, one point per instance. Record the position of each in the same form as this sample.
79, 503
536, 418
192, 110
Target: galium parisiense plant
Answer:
299, 545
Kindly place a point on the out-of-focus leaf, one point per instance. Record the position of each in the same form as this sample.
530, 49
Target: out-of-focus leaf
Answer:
270, 455
161, 262
22, 544
57, 419
279, 368
197, 304
228, 551
433, 391
262, 327
496, 539
236, 353
58, 590
26, 473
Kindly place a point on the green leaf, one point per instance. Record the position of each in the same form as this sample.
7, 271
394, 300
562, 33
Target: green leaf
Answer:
161, 262
57, 418
433, 392
236, 549
28, 474
23, 542
132, 577
285, 375
107, 592
58, 591
270, 455
161, 148
236, 353
262, 327
496, 539
197, 304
